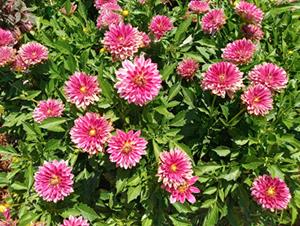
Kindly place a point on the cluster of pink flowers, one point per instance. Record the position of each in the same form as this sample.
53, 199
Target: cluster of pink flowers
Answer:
75, 221
29, 54
176, 173
271, 193
109, 13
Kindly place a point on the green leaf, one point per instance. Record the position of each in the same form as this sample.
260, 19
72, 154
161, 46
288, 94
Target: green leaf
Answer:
168, 70
275, 172
212, 216
70, 64
210, 191
164, 111
174, 90
53, 124
87, 212
232, 175
222, 151
156, 150
182, 28
179, 222
133, 193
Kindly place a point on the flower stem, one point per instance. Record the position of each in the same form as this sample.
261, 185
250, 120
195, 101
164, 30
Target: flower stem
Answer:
237, 115
213, 104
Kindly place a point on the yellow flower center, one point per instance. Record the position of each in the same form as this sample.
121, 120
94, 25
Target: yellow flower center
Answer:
256, 100
182, 188
139, 80
55, 180
3, 207
127, 147
92, 132
49, 111
125, 13
173, 167
83, 89
271, 191
222, 77
33, 54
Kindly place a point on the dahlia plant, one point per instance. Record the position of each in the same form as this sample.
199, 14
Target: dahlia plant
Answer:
149, 112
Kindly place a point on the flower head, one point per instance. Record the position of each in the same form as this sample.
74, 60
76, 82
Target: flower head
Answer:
138, 82
54, 181
198, 6
75, 221
239, 52
249, 12
145, 40
222, 78
160, 25
109, 15
187, 68
7, 55
90, 132
126, 149
258, 100
252, 32
269, 75
271, 193
48, 108
175, 168
99, 3
213, 21
19, 65
6, 38
122, 40
82, 89
184, 191
33, 53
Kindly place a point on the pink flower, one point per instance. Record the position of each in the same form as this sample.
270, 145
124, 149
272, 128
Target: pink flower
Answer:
222, 78
82, 89
184, 191
198, 6
145, 40
53, 181
126, 149
109, 15
252, 32
271, 193
239, 52
258, 100
269, 75
75, 221
48, 108
90, 132
19, 65
174, 169
6, 38
249, 12
213, 21
122, 40
99, 3
33, 53
160, 25
7, 55
187, 68
138, 82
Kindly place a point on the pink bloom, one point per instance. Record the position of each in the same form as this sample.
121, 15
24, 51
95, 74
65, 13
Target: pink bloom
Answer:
239, 52
82, 89
126, 149
33, 53
198, 6
145, 40
138, 82
184, 191
160, 25
174, 169
271, 193
222, 78
54, 181
99, 3
75, 221
187, 68
7, 55
269, 75
252, 32
48, 108
109, 15
213, 21
6, 38
122, 40
90, 132
249, 12
19, 65
258, 100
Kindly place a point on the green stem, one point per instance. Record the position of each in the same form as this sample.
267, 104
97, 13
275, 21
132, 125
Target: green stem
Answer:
213, 104
237, 115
